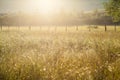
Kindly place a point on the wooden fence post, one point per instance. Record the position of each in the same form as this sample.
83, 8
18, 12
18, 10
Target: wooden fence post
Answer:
18, 27
48, 28
115, 27
8, 27
40, 27
55, 28
29, 27
89, 27
1, 28
76, 28
105, 28
66, 28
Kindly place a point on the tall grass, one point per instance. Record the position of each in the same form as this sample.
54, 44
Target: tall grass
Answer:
81, 55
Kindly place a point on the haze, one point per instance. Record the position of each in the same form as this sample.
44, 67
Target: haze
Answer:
46, 6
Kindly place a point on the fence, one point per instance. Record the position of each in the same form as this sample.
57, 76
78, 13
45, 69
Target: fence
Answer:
63, 28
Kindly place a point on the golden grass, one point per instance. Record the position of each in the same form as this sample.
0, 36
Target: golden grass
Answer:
59, 55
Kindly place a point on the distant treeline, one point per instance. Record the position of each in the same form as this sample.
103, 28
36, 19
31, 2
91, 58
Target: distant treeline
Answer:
63, 18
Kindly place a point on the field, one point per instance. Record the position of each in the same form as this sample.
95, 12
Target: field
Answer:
50, 53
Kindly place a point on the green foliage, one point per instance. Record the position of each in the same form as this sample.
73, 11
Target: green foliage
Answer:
112, 7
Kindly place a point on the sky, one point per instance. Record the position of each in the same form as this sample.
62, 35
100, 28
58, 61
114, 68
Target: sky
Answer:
49, 5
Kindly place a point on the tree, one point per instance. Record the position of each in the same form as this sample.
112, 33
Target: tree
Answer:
112, 8
95, 12
96, 17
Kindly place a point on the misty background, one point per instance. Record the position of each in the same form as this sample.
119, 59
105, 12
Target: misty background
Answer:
69, 12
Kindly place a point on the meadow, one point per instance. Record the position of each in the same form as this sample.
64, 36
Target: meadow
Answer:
50, 53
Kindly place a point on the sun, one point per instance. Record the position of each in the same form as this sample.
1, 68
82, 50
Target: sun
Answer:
45, 6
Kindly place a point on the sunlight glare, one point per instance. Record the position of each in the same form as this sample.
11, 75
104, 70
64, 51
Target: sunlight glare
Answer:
46, 6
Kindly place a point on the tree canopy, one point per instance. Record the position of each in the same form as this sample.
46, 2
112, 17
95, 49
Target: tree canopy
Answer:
112, 8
